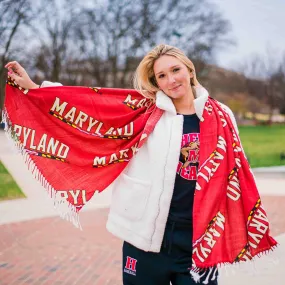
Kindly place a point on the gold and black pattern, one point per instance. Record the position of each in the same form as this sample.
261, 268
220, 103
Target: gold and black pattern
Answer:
235, 145
46, 155
213, 154
63, 119
96, 89
256, 206
12, 83
242, 253
133, 107
211, 223
233, 171
116, 137
113, 162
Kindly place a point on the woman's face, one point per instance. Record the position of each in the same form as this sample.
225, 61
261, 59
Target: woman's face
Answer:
172, 76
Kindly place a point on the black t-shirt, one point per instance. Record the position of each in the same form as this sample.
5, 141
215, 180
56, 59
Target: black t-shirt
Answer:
186, 175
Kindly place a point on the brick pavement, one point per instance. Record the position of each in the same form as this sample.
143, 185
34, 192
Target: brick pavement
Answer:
51, 251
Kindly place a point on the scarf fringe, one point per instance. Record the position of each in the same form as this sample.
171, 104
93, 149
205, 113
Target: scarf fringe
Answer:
251, 267
65, 210
197, 274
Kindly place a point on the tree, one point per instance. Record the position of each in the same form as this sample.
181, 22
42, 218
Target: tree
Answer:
56, 27
266, 80
102, 43
14, 15
115, 35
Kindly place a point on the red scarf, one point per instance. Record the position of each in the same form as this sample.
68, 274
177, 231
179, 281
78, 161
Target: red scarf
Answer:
230, 224
77, 140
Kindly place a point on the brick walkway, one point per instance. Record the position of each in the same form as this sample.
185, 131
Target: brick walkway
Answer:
51, 251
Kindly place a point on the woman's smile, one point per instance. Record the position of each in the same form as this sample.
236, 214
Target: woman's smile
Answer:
175, 88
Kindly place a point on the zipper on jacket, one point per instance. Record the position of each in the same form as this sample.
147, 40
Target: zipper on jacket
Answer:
169, 145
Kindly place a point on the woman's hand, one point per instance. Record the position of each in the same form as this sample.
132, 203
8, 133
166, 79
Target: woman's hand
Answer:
20, 76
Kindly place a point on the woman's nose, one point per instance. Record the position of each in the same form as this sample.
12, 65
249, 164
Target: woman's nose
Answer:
171, 79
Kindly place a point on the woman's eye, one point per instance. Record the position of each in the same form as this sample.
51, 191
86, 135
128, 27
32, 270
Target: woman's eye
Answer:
176, 69
161, 76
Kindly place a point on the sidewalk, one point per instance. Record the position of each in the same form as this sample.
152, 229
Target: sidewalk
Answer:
51, 251
37, 204
37, 247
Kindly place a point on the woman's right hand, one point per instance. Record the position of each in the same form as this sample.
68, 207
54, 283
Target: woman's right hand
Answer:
20, 76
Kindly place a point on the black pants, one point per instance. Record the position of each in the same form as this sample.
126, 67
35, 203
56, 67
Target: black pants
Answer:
171, 264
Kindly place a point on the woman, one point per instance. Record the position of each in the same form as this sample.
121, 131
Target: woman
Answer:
153, 198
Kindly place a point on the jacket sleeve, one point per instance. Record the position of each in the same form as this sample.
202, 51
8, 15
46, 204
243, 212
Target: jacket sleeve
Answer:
50, 84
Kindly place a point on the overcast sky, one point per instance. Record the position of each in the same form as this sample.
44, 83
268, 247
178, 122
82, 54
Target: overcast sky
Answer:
256, 25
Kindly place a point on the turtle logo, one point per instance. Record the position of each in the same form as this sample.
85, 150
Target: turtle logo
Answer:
190, 153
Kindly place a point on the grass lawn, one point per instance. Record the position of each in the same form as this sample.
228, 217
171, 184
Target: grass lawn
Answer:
8, 187
263, 144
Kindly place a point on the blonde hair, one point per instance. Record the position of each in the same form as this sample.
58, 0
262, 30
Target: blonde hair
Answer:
144, 79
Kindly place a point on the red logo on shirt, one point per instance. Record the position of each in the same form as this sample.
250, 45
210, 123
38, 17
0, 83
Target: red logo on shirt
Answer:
187, 167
